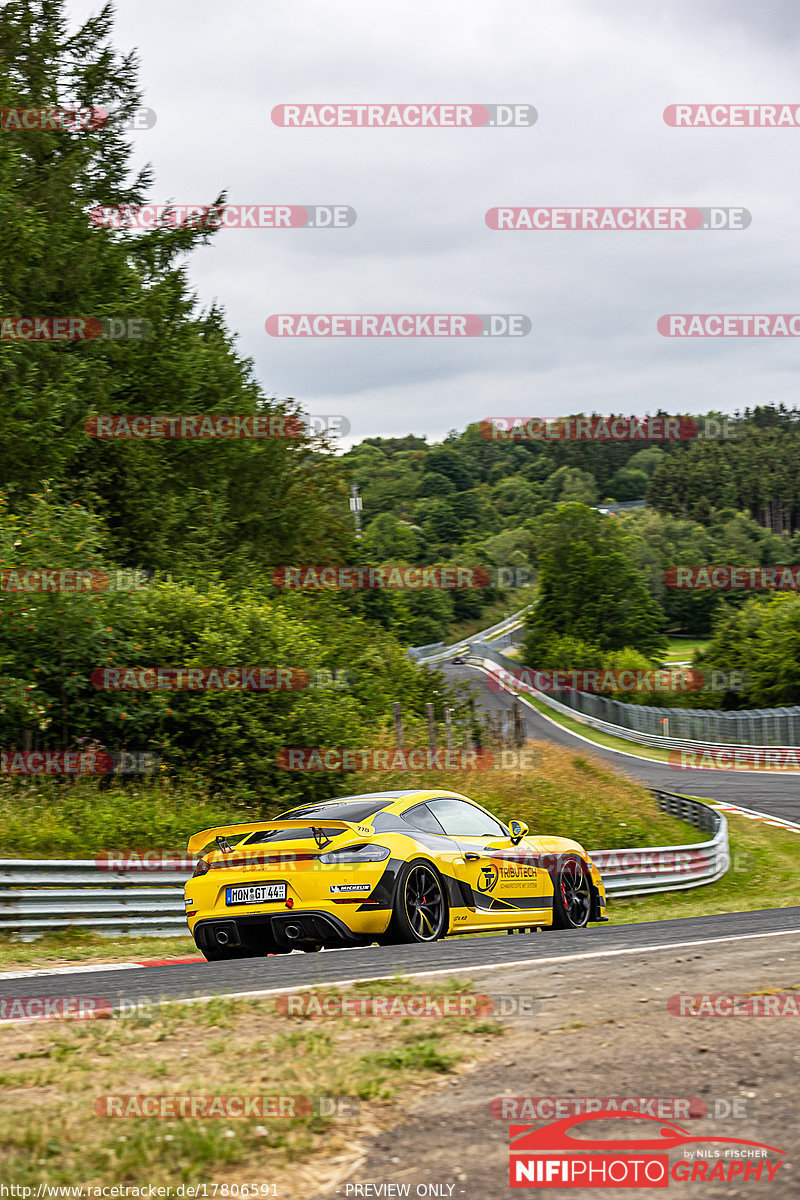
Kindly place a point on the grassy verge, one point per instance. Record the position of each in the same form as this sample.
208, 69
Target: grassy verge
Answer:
593, 735
683, 649
459, 630
566, 795
54, 1073
763, 874
79, 818
68, 947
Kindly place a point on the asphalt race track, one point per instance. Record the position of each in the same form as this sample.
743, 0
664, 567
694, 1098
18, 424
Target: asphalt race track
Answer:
778, 795
570, 948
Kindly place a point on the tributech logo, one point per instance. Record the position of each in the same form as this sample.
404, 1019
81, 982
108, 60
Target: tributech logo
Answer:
551, 1156
488, 879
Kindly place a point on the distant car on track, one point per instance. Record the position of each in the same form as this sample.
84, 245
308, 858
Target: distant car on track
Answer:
458, 661
387, 867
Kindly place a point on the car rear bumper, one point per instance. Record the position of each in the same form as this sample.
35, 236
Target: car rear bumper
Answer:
284, 931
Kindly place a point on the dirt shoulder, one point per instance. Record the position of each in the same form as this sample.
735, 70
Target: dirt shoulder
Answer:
604, 1030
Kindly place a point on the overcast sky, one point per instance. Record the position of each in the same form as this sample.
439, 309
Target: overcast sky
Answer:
600, 73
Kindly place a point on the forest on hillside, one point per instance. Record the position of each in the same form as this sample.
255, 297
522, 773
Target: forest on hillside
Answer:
201, 525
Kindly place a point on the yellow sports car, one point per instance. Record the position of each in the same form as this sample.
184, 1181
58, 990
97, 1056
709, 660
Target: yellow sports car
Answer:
409, 866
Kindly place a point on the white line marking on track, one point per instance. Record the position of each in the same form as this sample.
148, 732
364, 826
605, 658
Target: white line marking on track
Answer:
467, 968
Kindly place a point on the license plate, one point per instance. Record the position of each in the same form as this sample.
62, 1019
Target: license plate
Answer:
260, 893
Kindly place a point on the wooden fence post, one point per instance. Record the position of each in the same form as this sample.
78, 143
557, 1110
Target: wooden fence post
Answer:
519, 725
432, 742
398, 724
448, 725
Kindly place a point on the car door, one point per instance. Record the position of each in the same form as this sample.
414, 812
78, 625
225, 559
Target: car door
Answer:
504, 880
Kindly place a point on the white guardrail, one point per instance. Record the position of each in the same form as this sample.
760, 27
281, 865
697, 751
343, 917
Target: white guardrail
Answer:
37, 896
509, 680
493, 633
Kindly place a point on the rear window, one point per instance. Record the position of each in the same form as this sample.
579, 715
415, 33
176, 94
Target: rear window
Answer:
345, 810
317, 814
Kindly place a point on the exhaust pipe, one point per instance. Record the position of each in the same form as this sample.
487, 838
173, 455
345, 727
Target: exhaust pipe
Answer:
223, 937
292, 932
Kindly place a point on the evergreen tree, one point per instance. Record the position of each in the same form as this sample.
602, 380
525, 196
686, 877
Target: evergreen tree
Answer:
184, 506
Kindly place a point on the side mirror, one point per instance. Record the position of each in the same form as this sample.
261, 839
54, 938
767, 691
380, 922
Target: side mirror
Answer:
518, 830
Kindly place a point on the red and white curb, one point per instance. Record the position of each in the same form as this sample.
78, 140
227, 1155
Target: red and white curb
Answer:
753, 814
86, 968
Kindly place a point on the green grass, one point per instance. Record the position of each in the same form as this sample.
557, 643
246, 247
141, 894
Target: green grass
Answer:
683, 649
53, 1073
593, 735
763, 874
79, 818
517, 599
422, 1053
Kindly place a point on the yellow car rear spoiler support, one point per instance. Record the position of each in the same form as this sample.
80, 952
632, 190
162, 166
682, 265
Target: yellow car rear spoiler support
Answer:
199, 840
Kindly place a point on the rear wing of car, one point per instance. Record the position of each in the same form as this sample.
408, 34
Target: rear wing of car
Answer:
198, 841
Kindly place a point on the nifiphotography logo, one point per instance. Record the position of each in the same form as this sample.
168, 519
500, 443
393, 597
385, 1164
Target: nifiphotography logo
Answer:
552, 1156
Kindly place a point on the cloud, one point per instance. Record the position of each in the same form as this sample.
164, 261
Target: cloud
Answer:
600, 76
